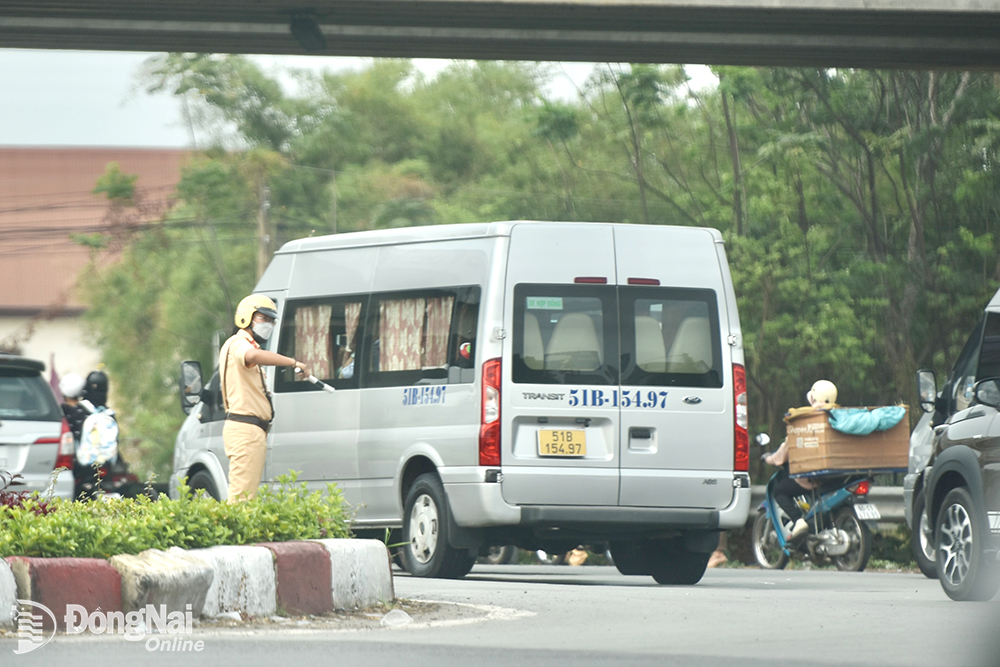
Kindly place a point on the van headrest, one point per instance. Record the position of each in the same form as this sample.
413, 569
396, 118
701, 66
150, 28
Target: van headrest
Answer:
534, 351
574, 345
691, 351
650, 350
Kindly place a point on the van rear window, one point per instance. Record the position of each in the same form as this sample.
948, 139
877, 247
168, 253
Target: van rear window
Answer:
565, 334
670, 337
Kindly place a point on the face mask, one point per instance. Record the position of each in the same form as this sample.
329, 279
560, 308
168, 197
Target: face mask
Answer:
263, 329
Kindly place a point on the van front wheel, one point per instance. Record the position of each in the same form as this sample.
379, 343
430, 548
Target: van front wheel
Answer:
426, 522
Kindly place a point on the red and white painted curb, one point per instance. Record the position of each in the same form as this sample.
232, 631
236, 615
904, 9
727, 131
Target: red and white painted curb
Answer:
293, 578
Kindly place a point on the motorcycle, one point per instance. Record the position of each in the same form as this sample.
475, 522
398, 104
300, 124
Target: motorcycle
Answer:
837, 513
99, 469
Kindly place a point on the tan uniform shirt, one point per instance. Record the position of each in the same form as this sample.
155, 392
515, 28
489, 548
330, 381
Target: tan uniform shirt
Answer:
243, 385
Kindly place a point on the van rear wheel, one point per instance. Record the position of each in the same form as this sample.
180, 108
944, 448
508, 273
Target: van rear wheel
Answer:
426, 522
673, 565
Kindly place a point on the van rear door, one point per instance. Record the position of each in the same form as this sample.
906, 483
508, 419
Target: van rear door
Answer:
559, 414
677, 403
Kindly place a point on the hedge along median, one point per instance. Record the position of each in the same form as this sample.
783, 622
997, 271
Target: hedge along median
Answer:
51, 527
47, 540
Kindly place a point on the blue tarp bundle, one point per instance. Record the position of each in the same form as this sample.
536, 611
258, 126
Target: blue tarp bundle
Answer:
861, 421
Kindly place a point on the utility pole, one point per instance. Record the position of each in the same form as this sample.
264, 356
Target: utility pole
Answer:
334, 201
263, 231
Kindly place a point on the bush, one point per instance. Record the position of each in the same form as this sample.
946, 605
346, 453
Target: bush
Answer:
106, 527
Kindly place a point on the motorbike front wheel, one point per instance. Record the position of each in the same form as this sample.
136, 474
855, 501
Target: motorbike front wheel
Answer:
766, 548
860, 550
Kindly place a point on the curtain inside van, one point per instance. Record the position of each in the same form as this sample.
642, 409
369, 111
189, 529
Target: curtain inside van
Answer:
312, 338
414, 333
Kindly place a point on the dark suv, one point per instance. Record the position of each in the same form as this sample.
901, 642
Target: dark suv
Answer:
34, 438
952, 494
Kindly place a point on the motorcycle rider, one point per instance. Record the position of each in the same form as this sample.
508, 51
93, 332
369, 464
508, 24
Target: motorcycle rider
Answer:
822, 396
71, 387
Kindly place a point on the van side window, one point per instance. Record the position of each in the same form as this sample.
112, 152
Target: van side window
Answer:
422, 337
322, 334
213, 409
958, 389
670, 337
989, 354
565, 334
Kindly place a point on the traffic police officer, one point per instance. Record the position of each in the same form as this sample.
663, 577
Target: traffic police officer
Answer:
247, 402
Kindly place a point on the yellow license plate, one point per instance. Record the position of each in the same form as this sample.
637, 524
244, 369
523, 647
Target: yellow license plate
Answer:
562, 443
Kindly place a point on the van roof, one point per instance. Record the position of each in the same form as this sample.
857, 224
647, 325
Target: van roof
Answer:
424, 234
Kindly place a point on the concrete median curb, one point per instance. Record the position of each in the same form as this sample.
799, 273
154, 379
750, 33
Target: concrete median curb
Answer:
8, 596
173, 579
299, 595
244, 580
296, 578
362, 573
58, 582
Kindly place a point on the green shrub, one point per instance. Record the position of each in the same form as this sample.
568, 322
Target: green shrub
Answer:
106, 527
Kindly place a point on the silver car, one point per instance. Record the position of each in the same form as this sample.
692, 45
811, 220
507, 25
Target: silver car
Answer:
35, 440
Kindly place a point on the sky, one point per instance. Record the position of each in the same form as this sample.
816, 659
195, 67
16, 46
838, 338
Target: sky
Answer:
91, 98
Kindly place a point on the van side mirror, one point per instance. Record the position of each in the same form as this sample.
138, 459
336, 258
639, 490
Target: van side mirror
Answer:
927, 388
988, 392
191, 385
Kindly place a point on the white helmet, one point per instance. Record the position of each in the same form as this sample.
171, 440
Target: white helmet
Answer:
823, 392
71, 385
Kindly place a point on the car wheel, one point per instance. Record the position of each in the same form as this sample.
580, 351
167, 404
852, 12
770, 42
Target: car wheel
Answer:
766, 548
922, 538
502, 555
960, 538
856, 558
202, 481
426, 522
630, 557
673, 565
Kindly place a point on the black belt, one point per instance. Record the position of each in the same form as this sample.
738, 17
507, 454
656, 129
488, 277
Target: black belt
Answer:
249, 419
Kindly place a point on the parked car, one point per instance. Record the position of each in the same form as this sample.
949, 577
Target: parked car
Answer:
35, 439
954, 499
530, 383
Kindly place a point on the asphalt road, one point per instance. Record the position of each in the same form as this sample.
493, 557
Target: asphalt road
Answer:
555, 616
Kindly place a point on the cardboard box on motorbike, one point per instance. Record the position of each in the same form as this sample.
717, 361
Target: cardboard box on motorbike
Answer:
814, 446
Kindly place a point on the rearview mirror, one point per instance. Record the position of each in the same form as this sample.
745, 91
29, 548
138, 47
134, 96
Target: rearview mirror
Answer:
988, 392
191, 385
927, 388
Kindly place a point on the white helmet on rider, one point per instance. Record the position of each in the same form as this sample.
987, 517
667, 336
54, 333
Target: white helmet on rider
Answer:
822, 394
71, 385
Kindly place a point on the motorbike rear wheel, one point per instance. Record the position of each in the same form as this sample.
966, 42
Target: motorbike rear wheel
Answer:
766, 548
860, 551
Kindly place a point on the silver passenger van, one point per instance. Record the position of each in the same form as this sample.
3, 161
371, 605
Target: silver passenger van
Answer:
537, 383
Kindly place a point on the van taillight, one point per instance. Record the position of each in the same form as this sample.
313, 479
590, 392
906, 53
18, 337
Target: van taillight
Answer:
741, 452
489, 429
64, 458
